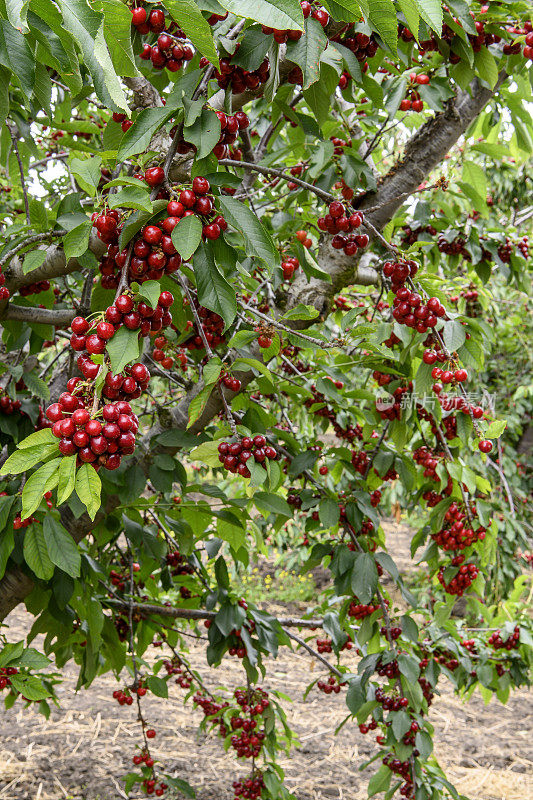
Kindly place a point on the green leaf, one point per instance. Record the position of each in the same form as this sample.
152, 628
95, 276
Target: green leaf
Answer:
42, 481
431, 13
33, 260
36, 553
486, 67
282, 14
83, 22
204, 133
117, 33
111, 80
198, 403
87, 173
207, 453
187, 235
411, 14
137, 138
329, 512
253, 49
454, 334
76, 242
269, 503
88, 487
150, 291
364, 577
307, 50
188, 16
17, 12
380, 781
157, 686
67, 478
30, 686
33, 659
257, 241
474, 176
28, 457
132, 197
495, 429
381, 15
44, 436
123, 348
214, 292
62, 549
16, 55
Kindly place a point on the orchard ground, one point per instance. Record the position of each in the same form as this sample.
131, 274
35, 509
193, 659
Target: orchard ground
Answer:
85, 748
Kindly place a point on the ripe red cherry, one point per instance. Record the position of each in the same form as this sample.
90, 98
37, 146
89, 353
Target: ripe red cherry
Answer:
259, 440
110, 413
94, 344
93, 427
113, 315
138, 16
124, 303
87, 455
155, 175
156, 20
211, 231
203, 206
79, 325
187, 198
105, 330
124, 422
264, 341
429, 357
336, 209
175, 208
477, 412
242, 119
485, 446
67, 427
152, 234
165, 299
78, 342
140, 373
98, 444
68, 402
80, 416
67, 447
461, 375
132, 321
164, 41
111, 430
80, 439
200, 185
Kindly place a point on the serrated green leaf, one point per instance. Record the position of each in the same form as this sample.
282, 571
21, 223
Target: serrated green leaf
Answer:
214, 291
33, 260
36, 553
187, 235
307, 50
123, 348
88, 488
62, 549
67, 478
42, 481
28, 457
282, 14
189, 18
257, 241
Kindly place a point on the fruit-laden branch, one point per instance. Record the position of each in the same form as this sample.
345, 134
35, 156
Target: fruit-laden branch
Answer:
424, 151
422, 154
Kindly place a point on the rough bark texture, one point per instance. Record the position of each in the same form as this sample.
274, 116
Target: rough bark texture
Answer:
424, 151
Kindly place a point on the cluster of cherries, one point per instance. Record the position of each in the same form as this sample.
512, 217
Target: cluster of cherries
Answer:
340, 220
212, 329
93, 441
392, 408
247, 740
331, 686
5, 675
399, 271
230, 126
9, 406
234, 455
409, 309
184, 679
238, 78
250, 788
169, 52
361, 44
412, 99
162, 355
427, 458
4, 291
288, 266
511, 643
465, 576
359, 610
195, 201
454, 535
